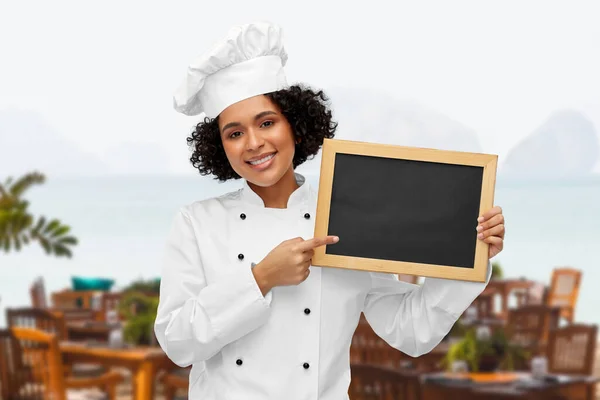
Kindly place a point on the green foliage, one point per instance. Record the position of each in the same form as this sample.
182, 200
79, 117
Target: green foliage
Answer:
465, 350
497, 271
140, 312
475, 350
144, 286
138, 330
19, 228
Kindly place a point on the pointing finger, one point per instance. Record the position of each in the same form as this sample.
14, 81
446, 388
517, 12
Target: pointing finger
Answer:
316, 242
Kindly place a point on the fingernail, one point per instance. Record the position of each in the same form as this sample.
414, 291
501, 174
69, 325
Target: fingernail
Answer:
479, 228
336, 239
480, 236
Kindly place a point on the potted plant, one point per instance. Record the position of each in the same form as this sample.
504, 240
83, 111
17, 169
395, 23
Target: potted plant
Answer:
485, 352
139, 311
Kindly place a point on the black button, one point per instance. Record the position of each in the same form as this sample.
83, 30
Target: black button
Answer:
241, 256
307, 311
306, 366
238, 362
243, 216
307, 215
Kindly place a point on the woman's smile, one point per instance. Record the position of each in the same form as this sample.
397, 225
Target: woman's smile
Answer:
263, 163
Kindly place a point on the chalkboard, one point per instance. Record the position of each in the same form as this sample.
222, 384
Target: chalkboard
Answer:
404, 210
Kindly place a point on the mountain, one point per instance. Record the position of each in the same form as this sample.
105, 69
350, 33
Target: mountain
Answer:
565, 145
28, 142
369, 116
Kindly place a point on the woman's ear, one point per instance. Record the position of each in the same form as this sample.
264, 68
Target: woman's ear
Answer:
298, 140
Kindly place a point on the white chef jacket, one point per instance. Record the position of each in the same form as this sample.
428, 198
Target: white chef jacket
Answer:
294, 342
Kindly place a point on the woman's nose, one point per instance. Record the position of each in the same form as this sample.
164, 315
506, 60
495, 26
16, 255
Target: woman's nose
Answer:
255, 140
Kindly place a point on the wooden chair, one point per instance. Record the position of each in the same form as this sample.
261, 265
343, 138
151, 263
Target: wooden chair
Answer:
572, 349
529, 326
536, 294
37, 318
50, 322
11, 366
484, 304
37, 291
41, 354
564, 291
368, 347
110, 301
374, 382
174, 381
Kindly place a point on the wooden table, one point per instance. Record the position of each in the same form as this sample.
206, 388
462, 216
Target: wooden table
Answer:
144, 362
506, 385
88, 330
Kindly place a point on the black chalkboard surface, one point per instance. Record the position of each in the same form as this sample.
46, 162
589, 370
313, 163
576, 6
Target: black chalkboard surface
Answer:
404, 210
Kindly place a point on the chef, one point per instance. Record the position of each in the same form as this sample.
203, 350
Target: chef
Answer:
240, 300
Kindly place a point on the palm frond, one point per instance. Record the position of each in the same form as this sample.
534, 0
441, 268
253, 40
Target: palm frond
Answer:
17, 227
25, 182
67, 240
52, 226
5, 242
3, 187
61, 251
40, 224
52, 237
45, 244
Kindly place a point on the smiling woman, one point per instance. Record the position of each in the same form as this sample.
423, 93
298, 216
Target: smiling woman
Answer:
263, 139
298, 115
240, 300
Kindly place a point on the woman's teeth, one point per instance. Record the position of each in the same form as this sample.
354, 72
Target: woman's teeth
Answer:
262, 160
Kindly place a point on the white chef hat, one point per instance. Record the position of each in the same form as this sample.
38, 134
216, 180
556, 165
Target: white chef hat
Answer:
249, 61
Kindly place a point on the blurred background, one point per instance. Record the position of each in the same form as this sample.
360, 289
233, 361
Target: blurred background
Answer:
94, 159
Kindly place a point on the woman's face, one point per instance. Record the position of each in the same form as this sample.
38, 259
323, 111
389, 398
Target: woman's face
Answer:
255, 130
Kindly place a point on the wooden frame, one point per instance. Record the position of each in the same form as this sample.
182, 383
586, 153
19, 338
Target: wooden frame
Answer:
331, 147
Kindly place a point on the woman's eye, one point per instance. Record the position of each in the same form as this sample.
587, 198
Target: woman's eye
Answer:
269, 123
234, 134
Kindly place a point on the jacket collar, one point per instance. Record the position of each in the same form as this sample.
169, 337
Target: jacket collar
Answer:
297, 198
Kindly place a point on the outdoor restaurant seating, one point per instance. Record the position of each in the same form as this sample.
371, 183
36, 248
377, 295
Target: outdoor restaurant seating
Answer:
34, 370
568, 349
78, 330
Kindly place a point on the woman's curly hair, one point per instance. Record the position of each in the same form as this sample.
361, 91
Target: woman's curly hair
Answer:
306, 111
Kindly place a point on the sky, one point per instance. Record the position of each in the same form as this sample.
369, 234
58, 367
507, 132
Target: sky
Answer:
102, 74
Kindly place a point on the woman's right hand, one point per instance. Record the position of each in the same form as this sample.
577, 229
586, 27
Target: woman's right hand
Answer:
288, 263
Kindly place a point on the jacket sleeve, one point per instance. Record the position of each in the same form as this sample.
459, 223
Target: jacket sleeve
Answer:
194, 320
415, 318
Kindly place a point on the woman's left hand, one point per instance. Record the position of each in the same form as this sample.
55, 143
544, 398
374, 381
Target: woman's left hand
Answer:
491, 230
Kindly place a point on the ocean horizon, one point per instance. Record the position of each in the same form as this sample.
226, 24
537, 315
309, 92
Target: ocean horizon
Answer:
121, 223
